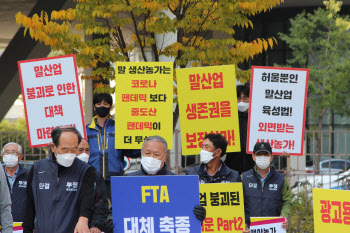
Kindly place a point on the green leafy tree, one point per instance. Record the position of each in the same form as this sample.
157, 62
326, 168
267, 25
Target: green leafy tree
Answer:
320, 41
302, 211
124, 27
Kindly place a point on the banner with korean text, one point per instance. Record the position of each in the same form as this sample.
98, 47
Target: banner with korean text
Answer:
277, 108
267, 225
155, 204
207, 104
225, 207
331, 210
51, 97
143, 103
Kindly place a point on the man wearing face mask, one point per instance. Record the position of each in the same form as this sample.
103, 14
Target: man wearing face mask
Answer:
266, 191
16, 178
154, 155
60, 188
241, 161
101, 202
212, 169
100, 134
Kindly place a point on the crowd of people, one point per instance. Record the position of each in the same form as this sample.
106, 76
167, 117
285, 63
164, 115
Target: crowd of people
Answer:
71, 190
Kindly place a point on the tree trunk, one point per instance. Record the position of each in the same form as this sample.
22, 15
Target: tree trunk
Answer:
175, 116
317, 157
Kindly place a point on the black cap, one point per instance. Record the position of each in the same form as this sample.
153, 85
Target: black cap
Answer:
262, 146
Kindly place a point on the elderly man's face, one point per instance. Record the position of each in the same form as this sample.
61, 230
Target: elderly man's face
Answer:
84, 147
156, 150
13, 149
68, 143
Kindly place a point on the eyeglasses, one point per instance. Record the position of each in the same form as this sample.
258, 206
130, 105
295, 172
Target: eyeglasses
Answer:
11, 152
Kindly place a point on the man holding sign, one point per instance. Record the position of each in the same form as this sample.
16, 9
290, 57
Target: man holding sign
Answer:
266, 191
101, 138
154, 154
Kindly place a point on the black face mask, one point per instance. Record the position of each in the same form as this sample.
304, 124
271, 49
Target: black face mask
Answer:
102, 111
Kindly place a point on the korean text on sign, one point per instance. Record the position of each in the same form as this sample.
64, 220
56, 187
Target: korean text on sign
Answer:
144, 97
207, 103
155, 204
267, 225
331, 210
50, 89
224, 205
277, 108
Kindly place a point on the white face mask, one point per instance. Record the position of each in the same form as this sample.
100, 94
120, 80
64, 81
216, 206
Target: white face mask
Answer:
83, 157
262, 161
151, 165
242, 106
65, 160
206, 156
10, 160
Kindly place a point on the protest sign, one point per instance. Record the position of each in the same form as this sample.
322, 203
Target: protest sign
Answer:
267, 225
51, 97
17, 227
331, 210
155, 204
207, 104
277, 108
225, 207
143, 103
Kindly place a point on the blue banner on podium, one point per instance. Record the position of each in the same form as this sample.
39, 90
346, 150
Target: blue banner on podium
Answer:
154, 204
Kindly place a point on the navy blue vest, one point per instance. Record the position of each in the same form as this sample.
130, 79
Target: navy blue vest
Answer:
57, 199
225, 175
18, 193
263, 202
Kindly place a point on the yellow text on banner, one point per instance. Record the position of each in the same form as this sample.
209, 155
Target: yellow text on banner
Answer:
143, 103
207, 104
224, 205
331, 210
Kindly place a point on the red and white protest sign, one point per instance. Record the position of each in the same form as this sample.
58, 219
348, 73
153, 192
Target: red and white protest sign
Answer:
277, 108
51, 96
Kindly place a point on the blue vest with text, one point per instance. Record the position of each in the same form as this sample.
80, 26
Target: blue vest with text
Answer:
267, 201
57, 199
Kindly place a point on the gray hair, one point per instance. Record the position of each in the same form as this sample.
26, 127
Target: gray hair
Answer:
156, 138
56, 134
12, 143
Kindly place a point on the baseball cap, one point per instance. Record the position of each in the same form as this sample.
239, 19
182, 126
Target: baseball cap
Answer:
262, 146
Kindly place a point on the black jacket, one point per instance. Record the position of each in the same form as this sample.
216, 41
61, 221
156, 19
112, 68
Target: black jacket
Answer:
241, 161
57, 196
101, 202
225, 175
163, 171
264, 201
18, 193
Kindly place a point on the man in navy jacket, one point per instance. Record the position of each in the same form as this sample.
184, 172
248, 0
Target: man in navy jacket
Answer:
16, 177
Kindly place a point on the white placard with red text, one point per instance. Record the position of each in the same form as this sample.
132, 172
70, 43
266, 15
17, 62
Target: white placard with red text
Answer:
51, 96
267, 225
277, 108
